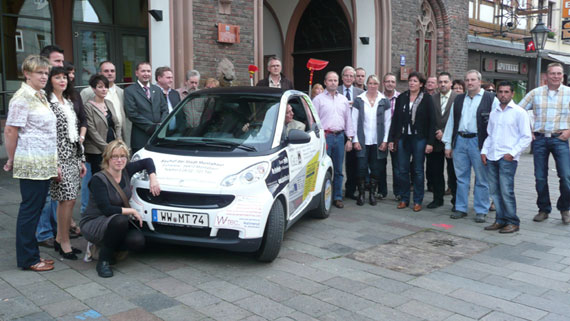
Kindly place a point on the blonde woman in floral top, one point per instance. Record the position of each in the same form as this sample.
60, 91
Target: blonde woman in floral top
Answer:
31, 145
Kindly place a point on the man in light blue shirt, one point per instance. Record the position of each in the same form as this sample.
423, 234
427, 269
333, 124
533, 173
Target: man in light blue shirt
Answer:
464, 134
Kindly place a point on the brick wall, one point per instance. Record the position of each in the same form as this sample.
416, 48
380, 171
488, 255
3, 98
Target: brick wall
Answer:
452, 19
208, 52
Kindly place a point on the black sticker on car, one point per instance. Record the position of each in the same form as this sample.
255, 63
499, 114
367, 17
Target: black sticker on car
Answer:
278, 176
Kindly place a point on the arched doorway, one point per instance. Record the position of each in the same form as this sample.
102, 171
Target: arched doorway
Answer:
323, 32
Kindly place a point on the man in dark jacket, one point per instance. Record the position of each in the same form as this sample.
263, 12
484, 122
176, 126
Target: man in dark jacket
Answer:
145, 105
275, 79
442, 102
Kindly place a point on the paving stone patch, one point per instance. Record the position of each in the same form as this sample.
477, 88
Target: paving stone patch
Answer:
421, 253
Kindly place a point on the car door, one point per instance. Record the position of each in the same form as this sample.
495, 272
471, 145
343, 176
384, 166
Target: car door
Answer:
303, 159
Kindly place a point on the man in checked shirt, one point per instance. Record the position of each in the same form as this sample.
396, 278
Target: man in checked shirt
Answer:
551, 108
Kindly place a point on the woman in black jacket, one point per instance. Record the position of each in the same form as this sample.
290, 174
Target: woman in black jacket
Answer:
412, 133
105, 221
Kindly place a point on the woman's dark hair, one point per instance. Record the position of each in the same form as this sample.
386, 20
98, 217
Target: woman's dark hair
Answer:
458, 82
420, 77
68, 92
96, 79
68, 66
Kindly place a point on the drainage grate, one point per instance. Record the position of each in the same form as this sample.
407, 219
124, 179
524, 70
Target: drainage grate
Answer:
421, 253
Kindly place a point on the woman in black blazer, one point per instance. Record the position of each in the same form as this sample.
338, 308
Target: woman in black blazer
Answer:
412, 133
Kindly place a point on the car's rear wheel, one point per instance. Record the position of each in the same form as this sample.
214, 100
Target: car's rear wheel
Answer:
325, 203
273, 235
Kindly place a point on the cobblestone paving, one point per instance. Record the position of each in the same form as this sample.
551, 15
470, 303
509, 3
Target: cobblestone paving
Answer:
523, 276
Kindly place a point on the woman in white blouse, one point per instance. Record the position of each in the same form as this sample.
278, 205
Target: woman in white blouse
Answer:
372, 124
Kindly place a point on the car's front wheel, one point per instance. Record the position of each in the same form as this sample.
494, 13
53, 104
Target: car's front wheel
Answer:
325, 202
273, 235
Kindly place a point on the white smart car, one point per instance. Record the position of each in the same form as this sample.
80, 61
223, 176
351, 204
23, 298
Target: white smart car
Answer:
232, 175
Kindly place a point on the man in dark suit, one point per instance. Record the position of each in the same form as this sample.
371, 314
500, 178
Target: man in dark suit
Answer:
351, 165
165, 80
145, 105
442, 102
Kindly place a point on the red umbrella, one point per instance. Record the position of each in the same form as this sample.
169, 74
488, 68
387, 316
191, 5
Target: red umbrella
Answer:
252, 69
315, 64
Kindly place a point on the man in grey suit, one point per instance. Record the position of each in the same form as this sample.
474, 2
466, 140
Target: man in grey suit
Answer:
442, 103
145, 105
351, 164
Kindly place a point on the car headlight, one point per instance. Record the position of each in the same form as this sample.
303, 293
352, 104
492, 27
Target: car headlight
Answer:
249, 175
143, 176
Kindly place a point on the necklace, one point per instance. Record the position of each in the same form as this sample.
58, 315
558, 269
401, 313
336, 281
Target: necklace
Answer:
371, 101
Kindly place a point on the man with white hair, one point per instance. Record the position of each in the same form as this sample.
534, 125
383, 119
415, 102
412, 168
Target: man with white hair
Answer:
350, 91
191, 83
464, 134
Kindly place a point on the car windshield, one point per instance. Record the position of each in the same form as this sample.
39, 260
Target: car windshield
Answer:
220, 122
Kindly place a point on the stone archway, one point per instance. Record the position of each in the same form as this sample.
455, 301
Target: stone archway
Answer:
443, 31
288, 60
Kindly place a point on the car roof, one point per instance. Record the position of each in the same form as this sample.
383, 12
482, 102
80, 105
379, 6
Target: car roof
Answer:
243, 90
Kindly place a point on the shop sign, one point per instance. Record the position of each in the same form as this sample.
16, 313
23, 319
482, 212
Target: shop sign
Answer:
489, 64
566, 9
565, 30
524, 68
405, 72
507, 67
228, 33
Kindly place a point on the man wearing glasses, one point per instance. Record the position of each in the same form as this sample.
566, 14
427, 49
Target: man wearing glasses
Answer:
275, 79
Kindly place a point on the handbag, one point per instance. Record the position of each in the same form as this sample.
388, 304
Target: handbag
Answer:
121, 194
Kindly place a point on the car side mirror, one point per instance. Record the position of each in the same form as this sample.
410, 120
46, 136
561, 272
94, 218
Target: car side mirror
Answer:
297, 136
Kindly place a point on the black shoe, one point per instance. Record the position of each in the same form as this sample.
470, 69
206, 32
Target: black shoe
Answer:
457, 215
104, 269
435, 204
453, 209
57, 248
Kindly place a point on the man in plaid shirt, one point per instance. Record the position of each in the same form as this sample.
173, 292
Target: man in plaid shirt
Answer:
551, 108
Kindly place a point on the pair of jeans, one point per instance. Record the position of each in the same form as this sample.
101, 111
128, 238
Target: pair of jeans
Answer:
34, 193
501, 177
466, 155
411, 146
395, 174
370, 161
85, 187
335, 150
542, 147
47, 225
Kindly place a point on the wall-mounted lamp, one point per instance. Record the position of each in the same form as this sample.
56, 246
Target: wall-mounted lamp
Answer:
365, 40
156, 14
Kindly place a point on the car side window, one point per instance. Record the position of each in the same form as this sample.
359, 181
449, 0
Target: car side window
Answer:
299, 112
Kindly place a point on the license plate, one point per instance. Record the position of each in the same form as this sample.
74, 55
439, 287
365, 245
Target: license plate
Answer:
180, 218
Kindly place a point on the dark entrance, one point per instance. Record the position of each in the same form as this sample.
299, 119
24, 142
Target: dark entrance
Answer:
323, 33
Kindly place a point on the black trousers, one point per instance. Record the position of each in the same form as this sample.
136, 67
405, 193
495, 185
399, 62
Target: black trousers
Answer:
351, 168
451, 179
95, 161
435, 166
120, 235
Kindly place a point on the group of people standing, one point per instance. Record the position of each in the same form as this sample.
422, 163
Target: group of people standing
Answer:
446, 121
56, 139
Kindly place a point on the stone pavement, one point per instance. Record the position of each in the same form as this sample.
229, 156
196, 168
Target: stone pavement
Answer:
523, 276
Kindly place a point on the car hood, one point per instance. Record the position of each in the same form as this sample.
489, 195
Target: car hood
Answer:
205, 173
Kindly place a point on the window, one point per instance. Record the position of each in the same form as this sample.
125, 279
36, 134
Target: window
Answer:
426, 38
18, 37
26, 28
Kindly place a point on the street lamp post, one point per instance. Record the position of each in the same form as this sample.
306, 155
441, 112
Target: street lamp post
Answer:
539, 33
